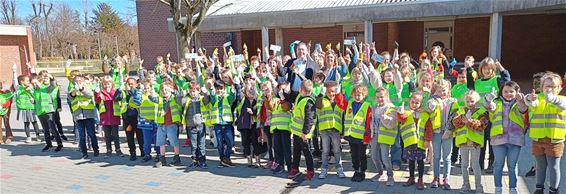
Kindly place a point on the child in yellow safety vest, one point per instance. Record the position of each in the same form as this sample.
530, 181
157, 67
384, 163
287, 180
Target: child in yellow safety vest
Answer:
147, 117
110, 112
442, 108
82, 104
330, 109
470, 123
412, 131
280, 118
168, 118
195, 112
302, 127
507, 117
548, 129
131, 96
386, 125
246, 122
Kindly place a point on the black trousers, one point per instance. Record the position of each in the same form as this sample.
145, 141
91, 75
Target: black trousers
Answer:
412, 168
111, 135
49, 128
249, 140
300, 146
58, 124
359, 159
282, 147
131, 122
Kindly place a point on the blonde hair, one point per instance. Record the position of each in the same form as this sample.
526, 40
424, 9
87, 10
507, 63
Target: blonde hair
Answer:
487, 62
360, 88
307, 86
554, 77
473, 95
107, 79
422, 74
441, 84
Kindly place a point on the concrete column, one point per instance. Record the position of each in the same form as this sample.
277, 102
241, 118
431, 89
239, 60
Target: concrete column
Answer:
368, 31
264, 42
495, 35
279, 37
197, 40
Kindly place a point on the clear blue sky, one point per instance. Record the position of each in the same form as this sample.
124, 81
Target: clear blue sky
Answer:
125, 8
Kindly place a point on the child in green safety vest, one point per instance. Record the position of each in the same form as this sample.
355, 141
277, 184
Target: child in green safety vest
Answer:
470, 123
548, 129
412, 128
222, 104
45, 97
302, 127
5, 104
488, 80
195, 113
26, 106
330, 116
168, 118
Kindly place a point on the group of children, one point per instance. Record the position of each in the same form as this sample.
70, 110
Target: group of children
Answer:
398, 106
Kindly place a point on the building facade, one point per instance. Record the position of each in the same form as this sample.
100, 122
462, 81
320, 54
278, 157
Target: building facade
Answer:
528, 36
16, 47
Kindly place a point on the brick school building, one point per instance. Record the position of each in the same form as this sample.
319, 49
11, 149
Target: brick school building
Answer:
528, 36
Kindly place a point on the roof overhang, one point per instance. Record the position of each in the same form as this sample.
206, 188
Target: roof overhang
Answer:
13, 30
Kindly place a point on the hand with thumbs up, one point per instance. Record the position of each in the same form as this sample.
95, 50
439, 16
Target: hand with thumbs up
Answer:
532, 96
401, 109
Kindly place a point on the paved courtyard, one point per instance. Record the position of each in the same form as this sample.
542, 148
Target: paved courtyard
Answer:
25, 169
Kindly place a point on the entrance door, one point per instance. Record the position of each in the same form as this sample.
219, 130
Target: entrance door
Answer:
438, 34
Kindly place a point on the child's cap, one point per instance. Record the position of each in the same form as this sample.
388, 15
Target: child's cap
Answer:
219, 84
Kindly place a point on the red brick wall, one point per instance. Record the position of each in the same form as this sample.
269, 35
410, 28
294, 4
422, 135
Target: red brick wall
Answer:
471, 37
12, 52
534, 43
315, 35
411, 38
380, 36
154, 38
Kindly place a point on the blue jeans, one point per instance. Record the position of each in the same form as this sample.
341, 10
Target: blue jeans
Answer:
224, 134
511, 152
149, 137
167, 133
444, 147
198, 142
86, 125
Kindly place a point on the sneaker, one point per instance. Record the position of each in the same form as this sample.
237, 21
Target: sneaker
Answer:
513, 191
310, 175
133, 157
553, 191
176, 161
108, 155
293, 173
498, 190
356, 176
390, 181
161, 162
445, 184
479, 189
146, 158
64, 137
410, 182
28, 140
434, 183
269, 165
278, 170
227, 163
274, 165
156, 159
396, 167
230, 164
531, 172
47, 147
96, 153
58, 148
203, 165
119, 153
323, 173
465, 188
420, 184
489, 170
85, 156
340, 172
377, 177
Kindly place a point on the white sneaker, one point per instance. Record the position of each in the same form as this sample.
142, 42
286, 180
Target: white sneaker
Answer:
323, 173
340, 172
479, 189
390, 181
498, 190
513, 191
28, 140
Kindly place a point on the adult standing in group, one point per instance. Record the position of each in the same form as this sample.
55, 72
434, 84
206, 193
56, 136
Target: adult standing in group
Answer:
299, 69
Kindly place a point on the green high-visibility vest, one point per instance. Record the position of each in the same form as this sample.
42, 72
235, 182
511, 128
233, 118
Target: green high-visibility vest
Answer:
548, 121
203, 109
458, 92
496, 118
464, 133
329, 117
298, 119
355, 124
45, 100
24, 100
486, 86
280, 119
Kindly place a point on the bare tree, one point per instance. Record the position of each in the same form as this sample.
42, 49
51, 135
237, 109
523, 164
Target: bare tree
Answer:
8, 11
46, 14
195, 11
35, 23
